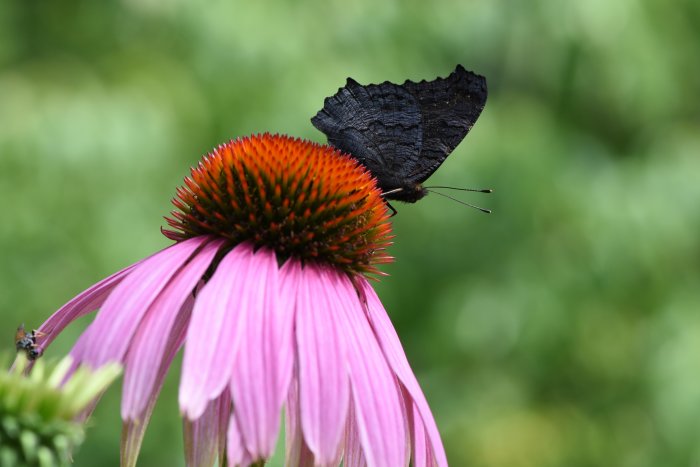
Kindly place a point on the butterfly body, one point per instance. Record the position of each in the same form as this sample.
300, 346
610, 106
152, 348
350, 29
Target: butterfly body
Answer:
403, 132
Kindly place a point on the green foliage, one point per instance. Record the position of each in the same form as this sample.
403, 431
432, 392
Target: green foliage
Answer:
37, 411
562, 330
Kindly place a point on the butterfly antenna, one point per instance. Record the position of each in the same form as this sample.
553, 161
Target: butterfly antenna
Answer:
487, 211
477, 190
391, 192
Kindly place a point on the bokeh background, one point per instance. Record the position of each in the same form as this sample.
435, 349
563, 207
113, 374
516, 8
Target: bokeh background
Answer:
562, 330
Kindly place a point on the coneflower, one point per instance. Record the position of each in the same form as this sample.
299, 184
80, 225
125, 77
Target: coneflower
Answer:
265, 289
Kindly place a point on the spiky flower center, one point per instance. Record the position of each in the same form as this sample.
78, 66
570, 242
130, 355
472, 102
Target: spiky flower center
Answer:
297, 197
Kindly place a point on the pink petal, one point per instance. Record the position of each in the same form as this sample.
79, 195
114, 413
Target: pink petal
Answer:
225, 409
83, 303
422, 448
214, 334
291, 274
237, 453
89, 409
108, 337
407, 415
204, 438
147, 346
378, 405
353, 449
263, 364
297, 452
132, 437
323, 377
393, 352
134, 429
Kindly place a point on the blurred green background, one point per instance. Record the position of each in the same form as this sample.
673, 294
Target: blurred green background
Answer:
562, 330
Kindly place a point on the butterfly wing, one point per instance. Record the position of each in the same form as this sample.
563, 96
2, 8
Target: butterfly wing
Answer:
449, 108
403, 132
378, 124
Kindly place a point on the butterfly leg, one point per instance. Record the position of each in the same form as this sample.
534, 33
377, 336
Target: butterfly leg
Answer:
393, 210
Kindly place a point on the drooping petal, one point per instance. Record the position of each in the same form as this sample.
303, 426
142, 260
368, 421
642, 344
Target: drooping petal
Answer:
108, 337
353, 448
85, 302
297, 453
422, 448
419, 442
323, 377
407, 416
146, 349
224, 418
236, 451
376, 396
204, 437
214, 334
263, 364
290, 276
132, 437
133, 429
393, 351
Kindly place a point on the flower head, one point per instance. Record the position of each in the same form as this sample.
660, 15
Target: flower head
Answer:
265, 290
295, 197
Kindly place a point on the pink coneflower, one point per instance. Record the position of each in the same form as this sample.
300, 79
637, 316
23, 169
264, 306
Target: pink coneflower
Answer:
265, 289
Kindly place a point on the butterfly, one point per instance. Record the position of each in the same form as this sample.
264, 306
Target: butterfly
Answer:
403, 132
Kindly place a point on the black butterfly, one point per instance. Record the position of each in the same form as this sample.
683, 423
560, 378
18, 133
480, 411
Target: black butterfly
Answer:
403, 132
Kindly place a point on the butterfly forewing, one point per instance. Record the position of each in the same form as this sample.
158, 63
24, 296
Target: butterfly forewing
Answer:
403, 132
449, 107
